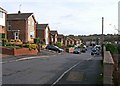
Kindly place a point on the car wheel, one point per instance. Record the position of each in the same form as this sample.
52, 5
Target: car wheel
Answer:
92, 54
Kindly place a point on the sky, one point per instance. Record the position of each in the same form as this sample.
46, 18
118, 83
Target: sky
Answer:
76, 17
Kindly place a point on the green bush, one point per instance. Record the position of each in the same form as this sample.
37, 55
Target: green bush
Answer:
36, 40
12, 40
58, 44
30, 46
112, 48
26, 45
70, 46
118, 49
33, 46
17, 40
81, 46
4, 41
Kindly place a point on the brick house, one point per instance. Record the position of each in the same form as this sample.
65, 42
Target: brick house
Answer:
21, 26
60, 38
54, 35
68, 41
3, 15
76, 41
43, 32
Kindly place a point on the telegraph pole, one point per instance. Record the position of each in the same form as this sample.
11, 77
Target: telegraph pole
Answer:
102, 37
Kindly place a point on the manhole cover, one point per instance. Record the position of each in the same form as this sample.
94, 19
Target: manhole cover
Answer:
75, 76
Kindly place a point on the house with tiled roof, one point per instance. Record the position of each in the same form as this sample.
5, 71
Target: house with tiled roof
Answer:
76, 41
43, 32
54, 36
3, 15
72, 40
21, 26
60, 38
68, 41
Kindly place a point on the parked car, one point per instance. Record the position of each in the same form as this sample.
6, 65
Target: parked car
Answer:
84, 46
95, 51
83, 50
77, 51
60, 49
97, 47
54, 48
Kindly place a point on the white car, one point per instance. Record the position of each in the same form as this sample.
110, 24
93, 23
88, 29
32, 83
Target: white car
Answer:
59, 48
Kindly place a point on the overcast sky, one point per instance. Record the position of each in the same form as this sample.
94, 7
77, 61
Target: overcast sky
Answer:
78, 17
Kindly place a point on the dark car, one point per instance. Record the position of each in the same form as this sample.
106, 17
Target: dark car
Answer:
52, 47
95, 51
83, 50
76, 51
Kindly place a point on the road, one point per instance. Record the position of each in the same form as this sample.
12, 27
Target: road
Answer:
48, 69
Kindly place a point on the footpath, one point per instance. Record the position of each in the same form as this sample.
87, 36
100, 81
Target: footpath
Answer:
86, 73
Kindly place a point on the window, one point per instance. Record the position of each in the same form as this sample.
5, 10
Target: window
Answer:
16, 35
1, 15
32, 34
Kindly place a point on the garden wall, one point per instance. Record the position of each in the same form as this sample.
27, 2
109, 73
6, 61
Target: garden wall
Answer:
108, 65
17, 52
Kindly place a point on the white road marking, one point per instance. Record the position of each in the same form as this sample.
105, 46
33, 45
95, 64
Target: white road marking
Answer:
68, 71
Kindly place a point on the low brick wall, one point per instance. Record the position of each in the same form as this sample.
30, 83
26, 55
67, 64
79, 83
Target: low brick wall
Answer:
17, 52
7, 51
25, 51
108, 65
70, 50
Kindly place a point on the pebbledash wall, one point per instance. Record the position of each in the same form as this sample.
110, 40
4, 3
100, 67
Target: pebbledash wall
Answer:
17, 52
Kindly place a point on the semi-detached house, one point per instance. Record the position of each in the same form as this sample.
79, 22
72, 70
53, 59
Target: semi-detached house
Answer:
43, 32
21, 26
3, 14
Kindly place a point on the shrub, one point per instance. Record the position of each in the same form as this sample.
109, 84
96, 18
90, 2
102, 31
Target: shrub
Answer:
4, 41
33, 46
12, 40
70, 46
112, 48
18, 40
26, 45
36, 40
58, 44
81, 46
30, 46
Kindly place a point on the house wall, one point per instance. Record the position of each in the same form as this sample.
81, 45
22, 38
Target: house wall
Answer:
17, 25
31, 29
47, 40
40, 34
3, 23
55, 38
2, 29
2, 18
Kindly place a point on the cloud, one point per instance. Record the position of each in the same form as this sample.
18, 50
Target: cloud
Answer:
74, 16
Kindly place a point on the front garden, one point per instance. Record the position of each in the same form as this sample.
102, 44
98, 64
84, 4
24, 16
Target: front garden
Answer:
17, 47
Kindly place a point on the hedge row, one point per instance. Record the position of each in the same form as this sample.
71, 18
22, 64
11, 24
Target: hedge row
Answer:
114, 49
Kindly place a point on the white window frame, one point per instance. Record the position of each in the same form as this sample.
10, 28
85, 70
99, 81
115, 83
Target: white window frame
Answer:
16, 35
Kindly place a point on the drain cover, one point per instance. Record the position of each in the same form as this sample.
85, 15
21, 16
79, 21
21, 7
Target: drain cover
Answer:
75, 76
